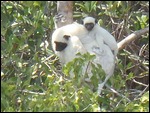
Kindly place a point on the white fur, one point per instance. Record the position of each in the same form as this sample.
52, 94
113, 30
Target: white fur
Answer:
69, 53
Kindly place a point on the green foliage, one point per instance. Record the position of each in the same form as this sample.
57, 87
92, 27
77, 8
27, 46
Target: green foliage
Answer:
139, 105
32, 78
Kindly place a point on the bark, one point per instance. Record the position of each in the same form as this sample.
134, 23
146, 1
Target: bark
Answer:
65, 8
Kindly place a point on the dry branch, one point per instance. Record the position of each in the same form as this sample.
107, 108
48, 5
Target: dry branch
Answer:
132, 37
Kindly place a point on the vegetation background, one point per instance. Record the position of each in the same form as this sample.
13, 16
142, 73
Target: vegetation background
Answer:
32, 78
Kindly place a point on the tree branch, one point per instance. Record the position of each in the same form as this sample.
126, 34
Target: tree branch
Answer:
131, 37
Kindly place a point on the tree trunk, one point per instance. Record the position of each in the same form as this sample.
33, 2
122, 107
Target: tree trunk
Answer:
65, 12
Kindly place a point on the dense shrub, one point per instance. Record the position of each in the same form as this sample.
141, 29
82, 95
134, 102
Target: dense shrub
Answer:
32, 78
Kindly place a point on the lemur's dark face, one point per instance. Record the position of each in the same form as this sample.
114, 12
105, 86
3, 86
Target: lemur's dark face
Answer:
89, 23
89, 26
60, 46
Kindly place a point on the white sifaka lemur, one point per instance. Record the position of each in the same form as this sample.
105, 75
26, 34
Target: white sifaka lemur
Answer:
97, 31
103, 45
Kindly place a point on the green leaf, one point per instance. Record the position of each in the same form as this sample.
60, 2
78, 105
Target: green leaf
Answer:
145, 97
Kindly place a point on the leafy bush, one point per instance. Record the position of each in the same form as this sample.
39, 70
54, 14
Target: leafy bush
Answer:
32, 78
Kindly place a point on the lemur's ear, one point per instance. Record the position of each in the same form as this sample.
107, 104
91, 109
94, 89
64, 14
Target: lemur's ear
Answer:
96, 21
66, 37
80, 21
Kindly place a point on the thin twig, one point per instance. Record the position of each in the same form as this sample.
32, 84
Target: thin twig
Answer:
139, 83
142, 92
31, 92
114, 91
